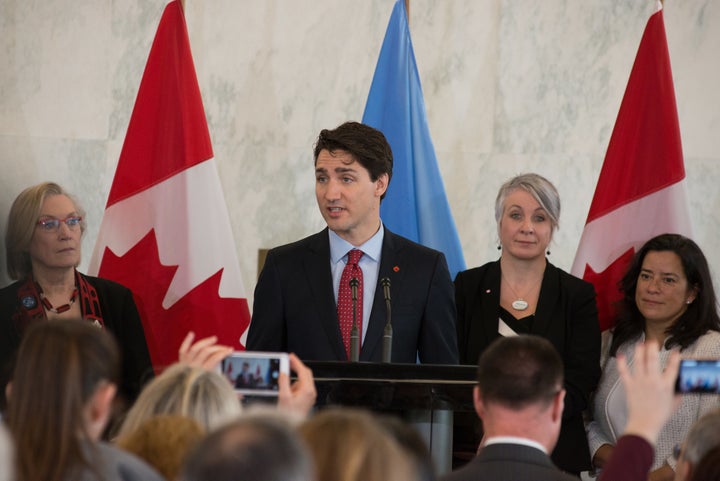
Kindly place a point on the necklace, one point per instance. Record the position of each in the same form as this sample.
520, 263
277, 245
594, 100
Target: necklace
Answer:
518, 304
60, 309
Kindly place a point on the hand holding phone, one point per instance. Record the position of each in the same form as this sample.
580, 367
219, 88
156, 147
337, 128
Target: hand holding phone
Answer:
298, 397
255, 373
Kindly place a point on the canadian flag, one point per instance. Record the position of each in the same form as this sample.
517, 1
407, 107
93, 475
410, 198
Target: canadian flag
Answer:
640, 192
166, 231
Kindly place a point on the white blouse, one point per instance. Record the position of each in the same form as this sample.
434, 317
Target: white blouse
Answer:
609, 409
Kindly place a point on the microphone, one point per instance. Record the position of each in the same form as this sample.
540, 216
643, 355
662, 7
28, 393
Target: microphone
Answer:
354, 335
388, 332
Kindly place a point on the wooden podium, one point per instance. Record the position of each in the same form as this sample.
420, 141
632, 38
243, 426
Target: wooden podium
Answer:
426, 395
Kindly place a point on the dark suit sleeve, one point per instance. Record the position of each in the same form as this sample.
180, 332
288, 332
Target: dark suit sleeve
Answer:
137, 367
267, 327
461, 322
582, 351
9, 338
438, 339
121, 317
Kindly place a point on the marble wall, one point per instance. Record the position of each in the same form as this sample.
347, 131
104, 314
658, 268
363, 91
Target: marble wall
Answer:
510, 86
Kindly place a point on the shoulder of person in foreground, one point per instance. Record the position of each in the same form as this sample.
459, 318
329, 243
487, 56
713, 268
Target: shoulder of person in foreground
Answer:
118, 464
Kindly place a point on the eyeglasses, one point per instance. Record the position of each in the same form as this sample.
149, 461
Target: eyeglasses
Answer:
49, 225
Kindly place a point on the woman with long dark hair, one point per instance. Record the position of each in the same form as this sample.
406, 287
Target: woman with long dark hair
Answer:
668, 297
60, 401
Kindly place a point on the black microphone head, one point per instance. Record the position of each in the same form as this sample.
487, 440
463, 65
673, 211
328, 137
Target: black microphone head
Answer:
354, 282
385, 282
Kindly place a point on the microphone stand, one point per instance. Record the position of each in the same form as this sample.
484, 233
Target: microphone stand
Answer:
388, 332
354, 335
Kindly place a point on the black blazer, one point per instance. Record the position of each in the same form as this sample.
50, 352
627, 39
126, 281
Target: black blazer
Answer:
294, 308
566, 315
509, 462
120, 316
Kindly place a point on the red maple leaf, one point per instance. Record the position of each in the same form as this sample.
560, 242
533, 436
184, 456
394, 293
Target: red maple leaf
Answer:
606, 287
201, 310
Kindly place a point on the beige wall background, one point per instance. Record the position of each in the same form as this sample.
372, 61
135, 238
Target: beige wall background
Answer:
510, 86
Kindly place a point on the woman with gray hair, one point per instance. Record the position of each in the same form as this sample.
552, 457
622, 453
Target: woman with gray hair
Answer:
523, 293
43, 248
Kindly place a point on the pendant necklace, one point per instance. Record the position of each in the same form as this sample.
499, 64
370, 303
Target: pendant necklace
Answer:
518, 304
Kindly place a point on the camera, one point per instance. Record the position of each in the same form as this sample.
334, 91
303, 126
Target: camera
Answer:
255, 373
698, 376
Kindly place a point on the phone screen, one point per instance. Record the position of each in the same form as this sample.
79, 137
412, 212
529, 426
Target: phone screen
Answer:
253, 373
698, 376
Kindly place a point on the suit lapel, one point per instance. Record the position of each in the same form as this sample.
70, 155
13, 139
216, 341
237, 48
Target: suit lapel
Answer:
319, 278
490, 313
549, 292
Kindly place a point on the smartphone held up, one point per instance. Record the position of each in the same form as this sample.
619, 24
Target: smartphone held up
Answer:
698, 376
255, 373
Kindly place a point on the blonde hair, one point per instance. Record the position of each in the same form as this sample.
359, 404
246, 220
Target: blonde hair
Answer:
164, 441
350, 445
22, 220
205, 396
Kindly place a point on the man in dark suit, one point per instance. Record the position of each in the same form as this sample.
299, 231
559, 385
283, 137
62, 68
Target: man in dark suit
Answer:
299, 293
245, 378
520, 400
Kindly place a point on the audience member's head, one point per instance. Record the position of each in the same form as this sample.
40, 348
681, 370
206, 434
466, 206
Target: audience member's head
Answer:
64, 381
413, 443
703, 437
253, 448
708, 469
520, 389
351, 445
164, 442
191, 391
7, 463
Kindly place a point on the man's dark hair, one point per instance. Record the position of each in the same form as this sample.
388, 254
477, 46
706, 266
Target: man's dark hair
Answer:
367, 145
253, 447
519, 371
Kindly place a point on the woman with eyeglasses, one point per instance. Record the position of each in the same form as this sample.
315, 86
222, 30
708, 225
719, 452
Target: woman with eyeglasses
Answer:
668, 298
43, 246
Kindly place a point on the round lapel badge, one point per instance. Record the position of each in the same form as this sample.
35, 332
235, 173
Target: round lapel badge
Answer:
29, 302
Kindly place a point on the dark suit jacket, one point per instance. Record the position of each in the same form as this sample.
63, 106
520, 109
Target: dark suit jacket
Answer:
120, 316
566, 315
295, 310
509, 462
631, 460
